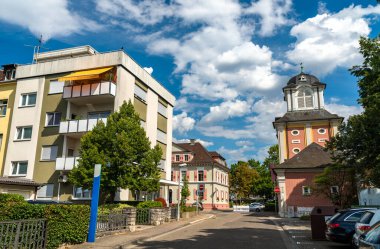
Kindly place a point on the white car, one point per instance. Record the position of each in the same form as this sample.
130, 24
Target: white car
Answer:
369, 218
256, 206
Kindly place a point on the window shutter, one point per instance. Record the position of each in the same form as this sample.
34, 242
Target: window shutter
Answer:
204, 175
188, 175
45, 153
195, 175
195, 194
174, 174
205, 194
56, 86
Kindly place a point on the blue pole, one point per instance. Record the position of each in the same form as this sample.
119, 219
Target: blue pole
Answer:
94, 203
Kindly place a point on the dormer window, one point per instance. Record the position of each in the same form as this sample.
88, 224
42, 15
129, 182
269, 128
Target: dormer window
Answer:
305, 98
177, 158
186, 158
302, 78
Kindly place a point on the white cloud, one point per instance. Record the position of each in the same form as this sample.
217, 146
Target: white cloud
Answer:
203, 142
149, 69
328, 41
343, 110
242, 143
182, 123
226, 110
46, 17
273, 14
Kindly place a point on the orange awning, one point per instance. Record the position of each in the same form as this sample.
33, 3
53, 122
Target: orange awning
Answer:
85, 74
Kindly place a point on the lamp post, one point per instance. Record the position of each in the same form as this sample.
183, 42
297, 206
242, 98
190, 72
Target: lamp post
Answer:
179, 187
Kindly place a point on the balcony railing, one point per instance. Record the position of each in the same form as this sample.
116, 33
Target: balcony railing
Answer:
89, 90
77, 126
66, 163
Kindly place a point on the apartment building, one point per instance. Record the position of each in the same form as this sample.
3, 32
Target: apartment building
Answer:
195, 163
63, 96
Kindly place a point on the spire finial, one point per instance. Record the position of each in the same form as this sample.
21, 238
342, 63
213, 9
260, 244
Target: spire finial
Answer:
301, 64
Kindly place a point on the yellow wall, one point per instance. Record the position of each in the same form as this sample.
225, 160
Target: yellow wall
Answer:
7, 91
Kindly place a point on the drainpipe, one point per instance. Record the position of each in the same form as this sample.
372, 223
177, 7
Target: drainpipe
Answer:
212, 184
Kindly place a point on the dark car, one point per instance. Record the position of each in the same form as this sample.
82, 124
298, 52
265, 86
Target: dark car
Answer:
371, 239
341, 227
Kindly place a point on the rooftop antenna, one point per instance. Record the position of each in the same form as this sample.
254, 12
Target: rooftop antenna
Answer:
36, 49
301, 64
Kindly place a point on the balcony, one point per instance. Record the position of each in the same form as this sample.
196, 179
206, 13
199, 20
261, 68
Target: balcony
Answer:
105, 91
79, 126
66, 163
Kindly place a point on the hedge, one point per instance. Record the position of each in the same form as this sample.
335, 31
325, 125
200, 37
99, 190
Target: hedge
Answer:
149, 204
188, 209
66, 223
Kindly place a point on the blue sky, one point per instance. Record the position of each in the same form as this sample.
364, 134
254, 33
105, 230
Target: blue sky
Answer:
224, 60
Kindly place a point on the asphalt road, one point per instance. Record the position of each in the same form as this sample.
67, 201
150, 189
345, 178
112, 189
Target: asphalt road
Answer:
226, 230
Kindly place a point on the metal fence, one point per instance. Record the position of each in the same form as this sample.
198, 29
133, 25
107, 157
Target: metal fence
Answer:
143, 216
112, 222
25, 234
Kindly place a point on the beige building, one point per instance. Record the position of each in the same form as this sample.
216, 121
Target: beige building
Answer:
63, 96
193, 162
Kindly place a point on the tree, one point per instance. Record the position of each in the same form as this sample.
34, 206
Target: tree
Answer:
124, 152
241, 179
185, 192
340, 177
358, 143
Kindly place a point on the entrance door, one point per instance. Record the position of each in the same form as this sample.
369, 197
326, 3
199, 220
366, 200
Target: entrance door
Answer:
170, 196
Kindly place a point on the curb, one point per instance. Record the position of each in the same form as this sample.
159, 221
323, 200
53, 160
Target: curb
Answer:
289, 243
134, 243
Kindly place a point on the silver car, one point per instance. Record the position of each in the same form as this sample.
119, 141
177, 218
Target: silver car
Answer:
369, 218
370, 239
256, 207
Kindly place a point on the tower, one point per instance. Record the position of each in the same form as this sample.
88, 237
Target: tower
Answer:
302, 133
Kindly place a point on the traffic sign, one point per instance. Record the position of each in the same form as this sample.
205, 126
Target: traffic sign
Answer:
276, 189
201, 187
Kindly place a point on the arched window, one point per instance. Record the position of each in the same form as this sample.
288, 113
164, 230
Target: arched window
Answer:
305, 98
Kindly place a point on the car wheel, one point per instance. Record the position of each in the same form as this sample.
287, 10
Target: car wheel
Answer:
257, 209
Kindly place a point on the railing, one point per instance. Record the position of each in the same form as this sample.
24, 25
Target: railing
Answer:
112, 222
82, 125
89, 90
23, 234
143, 216
66, 163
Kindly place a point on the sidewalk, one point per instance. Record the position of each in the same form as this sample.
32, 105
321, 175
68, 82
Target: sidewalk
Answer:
120, 240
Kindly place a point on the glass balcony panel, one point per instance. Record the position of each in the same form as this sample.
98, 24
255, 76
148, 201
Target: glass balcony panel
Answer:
73, 126
76, 91
91, 123
105, 87
82, 126
113, 89
67, 92
95, 89
86, 90
60, 163
63, 126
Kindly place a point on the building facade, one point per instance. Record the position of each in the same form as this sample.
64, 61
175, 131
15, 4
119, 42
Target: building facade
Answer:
191, 161
302, 133
63, 96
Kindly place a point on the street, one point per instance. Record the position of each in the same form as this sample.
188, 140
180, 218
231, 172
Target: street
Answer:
226, 230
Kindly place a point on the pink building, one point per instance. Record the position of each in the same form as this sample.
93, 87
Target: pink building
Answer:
302, 133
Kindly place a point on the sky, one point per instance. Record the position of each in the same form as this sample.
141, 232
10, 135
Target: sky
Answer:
225, 61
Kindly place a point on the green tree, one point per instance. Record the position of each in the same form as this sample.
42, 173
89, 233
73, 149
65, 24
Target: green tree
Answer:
124, 152
241, 179
185, 192
358, 143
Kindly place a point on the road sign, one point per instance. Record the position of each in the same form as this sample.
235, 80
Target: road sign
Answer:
201, 187
276, 189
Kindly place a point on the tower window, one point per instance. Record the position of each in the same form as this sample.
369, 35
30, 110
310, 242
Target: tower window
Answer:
295, 132
296, 150
305, 98
322, 131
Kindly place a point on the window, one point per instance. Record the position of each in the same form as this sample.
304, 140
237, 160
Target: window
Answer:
98, 115
200, 175
3, 107
322, 131
49, 153
177, 158
296, 141
186, 158
53, 118
355, 216
296, 150
171, 176
305, 98
295, 132
28, 99
321, 140
334, 189
56, 86
19, 168
162, 109
183, 175
24, 133
140, 93
306, 190
45, 191
81, 193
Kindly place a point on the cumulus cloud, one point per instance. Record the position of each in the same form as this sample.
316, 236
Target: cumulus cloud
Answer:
149, 69
203, 142
226, 110
242, 143
328, 41
273, 14
45, 17
343, 110
182, 123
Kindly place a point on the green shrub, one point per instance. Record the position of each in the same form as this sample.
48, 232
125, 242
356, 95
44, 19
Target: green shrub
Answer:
269, 206
149, 204
11, 198
65, 223
305, 217
130, 203
112, 208
188, 209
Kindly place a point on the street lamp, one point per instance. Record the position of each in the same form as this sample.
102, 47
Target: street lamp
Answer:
179, 187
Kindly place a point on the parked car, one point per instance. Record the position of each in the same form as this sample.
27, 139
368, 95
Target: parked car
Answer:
256, 206
368, 219
341, 226
370, 239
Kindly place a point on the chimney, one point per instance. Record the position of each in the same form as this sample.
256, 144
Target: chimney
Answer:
192, 141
